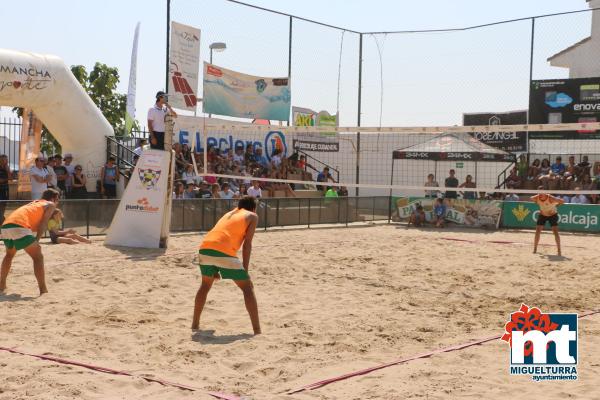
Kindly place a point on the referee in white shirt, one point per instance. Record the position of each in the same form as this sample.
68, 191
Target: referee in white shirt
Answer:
156, 121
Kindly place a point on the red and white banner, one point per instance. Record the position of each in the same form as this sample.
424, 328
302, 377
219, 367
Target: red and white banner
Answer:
184, 66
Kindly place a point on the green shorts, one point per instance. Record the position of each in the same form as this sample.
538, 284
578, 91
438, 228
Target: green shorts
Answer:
17, 237
214, 262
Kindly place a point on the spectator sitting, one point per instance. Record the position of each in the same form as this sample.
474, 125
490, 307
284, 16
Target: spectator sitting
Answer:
190, 192
276, 158
324, 176
331, 192
249, 157
58, 236
545, 167
468, 183
141, 147
513, 181
534, 170
431, 182
439, 213
210, 179
179, 190
588, 184
417, 218
260, 159
255, 190
215, 191
226, 193
242, 191
566, 198
39, 178
238, 157
78, 184
180, 162
579, 198
584, 166
512, 197
189, 175
343, 192
451, 182
204, 192
558, 167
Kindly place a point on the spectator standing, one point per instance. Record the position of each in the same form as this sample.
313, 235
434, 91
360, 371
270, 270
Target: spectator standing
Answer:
61, 173
78, 184
39, 178
156, 121
254, 191
53, 178
468, 183
451, 182
431, 182
68, 164
109, 176
4, 185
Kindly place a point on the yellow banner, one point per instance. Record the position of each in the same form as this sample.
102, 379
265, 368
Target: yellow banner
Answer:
29, 149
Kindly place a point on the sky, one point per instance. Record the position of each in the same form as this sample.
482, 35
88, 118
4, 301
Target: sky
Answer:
428, 79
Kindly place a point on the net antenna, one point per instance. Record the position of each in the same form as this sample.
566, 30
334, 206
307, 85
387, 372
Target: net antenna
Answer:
337, 109
380, 52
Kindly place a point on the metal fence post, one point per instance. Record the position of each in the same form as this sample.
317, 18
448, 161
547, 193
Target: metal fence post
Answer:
266, 214
309, 212
87, 219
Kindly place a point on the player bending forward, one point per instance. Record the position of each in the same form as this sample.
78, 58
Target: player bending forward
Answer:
548, 213
18, 234
218, 257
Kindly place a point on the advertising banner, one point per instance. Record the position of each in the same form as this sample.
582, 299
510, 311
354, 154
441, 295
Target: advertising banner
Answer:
315, 141
29, 149
560, 101
184, 65
475, 213
507, 141
190, 131
139, 219
572, 217
231, 93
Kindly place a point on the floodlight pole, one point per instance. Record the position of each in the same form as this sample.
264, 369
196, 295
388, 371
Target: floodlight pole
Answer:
290, 58
360, 50
168, 37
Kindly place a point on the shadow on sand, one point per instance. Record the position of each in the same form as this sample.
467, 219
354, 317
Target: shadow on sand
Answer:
208, 337
14, 297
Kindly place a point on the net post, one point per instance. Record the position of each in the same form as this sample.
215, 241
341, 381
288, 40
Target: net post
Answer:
360, 51
290, 56
168, 49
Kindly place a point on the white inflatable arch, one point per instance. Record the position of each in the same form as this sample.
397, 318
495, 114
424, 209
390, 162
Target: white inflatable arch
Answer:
46, 85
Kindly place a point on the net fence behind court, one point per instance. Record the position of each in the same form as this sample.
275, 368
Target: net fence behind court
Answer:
397, 161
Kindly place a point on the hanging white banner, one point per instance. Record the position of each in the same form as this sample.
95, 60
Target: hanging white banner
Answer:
184, 65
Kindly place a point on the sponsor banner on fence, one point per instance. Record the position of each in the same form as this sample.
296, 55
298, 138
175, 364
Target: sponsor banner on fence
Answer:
139, 218
475, 213
558, 101
572, 217
507, 141
29, 149
232, 93
315, 141
189, 130
184, 65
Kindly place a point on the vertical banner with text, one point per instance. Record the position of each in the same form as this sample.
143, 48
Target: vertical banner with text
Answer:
29, 149
184, 66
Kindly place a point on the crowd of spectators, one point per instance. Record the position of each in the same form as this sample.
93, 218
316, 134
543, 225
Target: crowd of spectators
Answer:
557, 176
56, 172
249, 163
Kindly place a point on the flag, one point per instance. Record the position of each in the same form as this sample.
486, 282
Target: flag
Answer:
130, 109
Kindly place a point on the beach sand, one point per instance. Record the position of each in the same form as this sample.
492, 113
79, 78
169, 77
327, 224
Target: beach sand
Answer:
331, 301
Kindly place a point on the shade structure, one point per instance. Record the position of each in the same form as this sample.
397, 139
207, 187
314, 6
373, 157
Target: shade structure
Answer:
453, 147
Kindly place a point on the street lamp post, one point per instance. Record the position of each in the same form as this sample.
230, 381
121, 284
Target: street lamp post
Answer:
218, 47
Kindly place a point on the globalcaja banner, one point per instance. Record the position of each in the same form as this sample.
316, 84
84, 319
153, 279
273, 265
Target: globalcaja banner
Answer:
572, 217
315, 141
184, 64
507, 141
559, 101
190, 131
474, 213
231, 93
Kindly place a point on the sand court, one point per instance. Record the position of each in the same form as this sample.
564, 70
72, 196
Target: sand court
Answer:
331, 301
